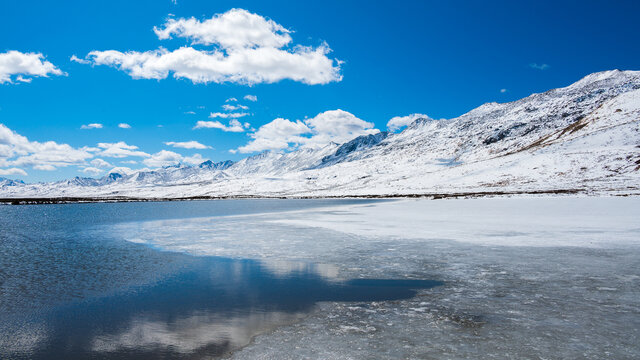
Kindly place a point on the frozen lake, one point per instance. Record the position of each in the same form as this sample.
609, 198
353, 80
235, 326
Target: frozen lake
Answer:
343, 279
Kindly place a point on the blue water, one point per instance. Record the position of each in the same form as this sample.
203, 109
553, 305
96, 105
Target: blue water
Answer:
69, 290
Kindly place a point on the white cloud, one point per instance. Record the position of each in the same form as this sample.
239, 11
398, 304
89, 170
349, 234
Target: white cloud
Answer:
18, 151
91, 126
124, 126
399, 122
503, 91
195, 159
330, 126
227, 115
251, 98
236, 28
23, 65
234, 125
228, 107
231, 99
337, 126
245, 48
163, 158
120, 150
74, 58
44, 167
276, 135
539, 67
23, 79
187, 145
92, 171
168, 158
190, 112
99, 163
123, 170
13, 171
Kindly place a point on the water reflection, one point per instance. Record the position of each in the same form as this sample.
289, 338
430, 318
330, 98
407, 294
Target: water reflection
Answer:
208, 308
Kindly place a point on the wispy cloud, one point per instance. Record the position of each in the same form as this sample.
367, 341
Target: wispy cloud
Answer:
187, 145
124, 126
227, 115
91, 126
234, 125
228, 107
539, 67
251, 98
503, 91
120, 150
78, 60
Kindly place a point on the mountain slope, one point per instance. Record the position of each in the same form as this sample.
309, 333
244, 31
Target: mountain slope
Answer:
585, 136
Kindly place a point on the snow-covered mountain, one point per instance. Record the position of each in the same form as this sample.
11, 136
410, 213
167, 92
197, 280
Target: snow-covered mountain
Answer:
582, 137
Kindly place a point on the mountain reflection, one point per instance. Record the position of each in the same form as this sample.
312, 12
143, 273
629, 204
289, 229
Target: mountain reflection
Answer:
208, 308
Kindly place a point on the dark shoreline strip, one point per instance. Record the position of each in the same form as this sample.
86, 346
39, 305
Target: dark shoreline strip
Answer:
433, 196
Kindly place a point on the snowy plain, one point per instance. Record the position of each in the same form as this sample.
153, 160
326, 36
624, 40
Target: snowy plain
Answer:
524, 277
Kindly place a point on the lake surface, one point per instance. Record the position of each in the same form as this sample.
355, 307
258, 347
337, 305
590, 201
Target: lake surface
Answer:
520, 277
72, 287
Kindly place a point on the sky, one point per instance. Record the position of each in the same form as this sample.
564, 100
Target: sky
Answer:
88, 88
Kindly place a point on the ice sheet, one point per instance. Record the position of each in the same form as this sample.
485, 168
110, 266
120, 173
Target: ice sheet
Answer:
524, 277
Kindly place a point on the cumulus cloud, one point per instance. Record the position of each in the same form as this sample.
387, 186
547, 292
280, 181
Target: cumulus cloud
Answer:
251, 98
13, 171
123, 170
330, 126
398, 122
234, 125
124, 126
163, 158
276, 135
195, 159
539, 67
25, 66
120, 150
18, 151
91, 126
99, 163
228, 107
237, 28
92, 171
168, 158
244, 48
187, 145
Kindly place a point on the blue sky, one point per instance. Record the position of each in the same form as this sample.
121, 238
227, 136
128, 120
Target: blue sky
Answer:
386, 59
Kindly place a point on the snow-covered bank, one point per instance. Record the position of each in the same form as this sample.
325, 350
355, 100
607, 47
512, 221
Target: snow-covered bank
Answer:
516, 221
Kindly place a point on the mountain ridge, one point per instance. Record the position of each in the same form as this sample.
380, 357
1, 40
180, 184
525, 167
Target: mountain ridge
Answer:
583, 136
